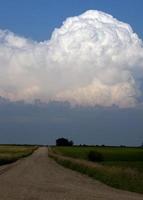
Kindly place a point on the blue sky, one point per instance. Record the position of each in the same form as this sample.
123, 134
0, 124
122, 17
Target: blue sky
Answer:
36, 19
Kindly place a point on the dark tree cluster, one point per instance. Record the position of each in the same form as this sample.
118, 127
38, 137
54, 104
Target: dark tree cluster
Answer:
95, 156
63, 142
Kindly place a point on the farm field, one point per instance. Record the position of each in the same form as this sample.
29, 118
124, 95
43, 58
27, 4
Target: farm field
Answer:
109, 153
38, 177
11, 153
121, 167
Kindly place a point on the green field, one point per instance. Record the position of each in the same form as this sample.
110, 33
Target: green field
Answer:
122, 167
12, 153
109, 153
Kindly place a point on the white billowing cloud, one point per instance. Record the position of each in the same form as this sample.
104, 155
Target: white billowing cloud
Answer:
92, 59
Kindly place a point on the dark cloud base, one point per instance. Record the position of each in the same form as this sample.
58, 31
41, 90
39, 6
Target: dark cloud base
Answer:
42, 123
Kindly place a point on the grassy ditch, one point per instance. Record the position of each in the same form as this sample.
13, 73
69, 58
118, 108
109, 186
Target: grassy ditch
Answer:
126, 175
9, 154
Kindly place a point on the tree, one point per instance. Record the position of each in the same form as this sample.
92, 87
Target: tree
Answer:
63, 142
95, 156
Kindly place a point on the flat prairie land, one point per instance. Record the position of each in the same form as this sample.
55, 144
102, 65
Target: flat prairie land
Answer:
38, 177
11, 153
109, 153
120, 167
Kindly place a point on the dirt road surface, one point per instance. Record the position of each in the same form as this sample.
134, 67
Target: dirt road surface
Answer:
39, 178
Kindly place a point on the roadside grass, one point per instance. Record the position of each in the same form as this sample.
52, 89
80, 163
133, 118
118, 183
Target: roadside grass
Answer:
9, 154
122, 168
134, 165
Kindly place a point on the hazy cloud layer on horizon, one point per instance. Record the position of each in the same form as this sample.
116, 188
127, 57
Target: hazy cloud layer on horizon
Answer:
92, 59
44, 123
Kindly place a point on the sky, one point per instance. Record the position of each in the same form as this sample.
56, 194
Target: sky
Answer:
37, 19
89, 54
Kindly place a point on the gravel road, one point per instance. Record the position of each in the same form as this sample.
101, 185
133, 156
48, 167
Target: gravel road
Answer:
37, 177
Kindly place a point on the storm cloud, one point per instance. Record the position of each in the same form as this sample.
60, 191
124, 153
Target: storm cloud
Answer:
92, 59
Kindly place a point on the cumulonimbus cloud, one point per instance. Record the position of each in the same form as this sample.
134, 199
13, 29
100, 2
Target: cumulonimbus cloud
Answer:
92, 59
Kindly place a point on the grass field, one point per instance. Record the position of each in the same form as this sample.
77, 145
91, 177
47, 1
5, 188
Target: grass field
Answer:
109, 153
12, 153
122, 167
